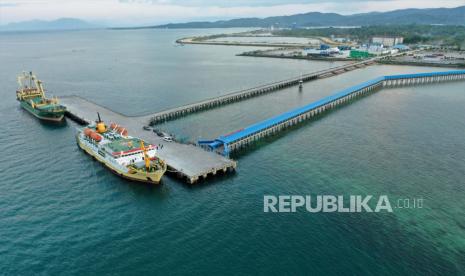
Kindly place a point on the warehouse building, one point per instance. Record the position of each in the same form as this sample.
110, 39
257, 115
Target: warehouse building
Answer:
387, 41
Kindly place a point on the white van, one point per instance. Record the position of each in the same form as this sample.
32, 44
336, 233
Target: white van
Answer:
167, 139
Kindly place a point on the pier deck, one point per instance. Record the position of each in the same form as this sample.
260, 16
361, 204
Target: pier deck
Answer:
174, 113
188, 162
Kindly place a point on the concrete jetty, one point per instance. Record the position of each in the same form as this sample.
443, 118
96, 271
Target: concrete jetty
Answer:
191, 40
248, 135
174, 113
188, 162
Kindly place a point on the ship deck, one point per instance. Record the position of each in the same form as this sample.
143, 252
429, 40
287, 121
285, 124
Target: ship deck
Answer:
188, 162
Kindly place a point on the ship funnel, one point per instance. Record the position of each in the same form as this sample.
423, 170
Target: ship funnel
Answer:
101, 128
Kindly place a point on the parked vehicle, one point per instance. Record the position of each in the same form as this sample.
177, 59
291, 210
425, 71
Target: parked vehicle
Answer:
157, 132
167, 139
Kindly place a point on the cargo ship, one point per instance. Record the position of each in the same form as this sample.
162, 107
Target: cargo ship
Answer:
31, 95
126, 156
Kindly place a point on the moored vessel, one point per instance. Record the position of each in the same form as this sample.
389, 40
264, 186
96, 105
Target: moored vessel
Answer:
31, 96
129, 157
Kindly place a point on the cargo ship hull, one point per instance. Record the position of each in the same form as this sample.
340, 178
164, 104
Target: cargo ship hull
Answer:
151, 178
55, 116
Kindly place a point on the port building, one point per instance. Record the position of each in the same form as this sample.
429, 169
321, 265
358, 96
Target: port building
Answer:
387, 41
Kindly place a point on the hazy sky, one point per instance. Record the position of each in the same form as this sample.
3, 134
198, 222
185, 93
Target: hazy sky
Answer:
140, 12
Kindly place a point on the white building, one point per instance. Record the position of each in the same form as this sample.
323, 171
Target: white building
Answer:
318, 52
375, 49
388, 41
341, 39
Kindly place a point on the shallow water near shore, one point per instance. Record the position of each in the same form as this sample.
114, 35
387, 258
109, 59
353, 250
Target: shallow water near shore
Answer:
63, 214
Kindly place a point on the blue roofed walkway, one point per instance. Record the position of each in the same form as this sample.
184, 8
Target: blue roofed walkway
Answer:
242, 137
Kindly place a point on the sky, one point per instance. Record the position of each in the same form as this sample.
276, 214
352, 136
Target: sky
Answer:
147, 12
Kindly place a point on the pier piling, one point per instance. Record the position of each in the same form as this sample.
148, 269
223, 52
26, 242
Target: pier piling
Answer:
174, 113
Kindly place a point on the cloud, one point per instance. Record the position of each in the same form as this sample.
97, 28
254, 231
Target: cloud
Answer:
8, 4
146, 12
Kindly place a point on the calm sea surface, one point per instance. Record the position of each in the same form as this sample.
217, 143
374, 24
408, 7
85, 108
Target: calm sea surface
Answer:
62, 214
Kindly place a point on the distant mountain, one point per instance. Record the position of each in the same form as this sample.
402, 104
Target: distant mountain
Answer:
59, 24
446, 16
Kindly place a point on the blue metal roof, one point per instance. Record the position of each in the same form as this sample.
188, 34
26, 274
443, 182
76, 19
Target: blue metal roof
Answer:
401, 47
419, 75
257, 127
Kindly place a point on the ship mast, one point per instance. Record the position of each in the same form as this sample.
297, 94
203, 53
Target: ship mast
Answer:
38, 84
20, 82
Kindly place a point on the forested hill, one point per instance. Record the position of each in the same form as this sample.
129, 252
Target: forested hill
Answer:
445, 16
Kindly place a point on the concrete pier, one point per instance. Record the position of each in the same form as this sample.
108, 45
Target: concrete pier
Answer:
191, 40
173, 113
245, 136
188, 162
